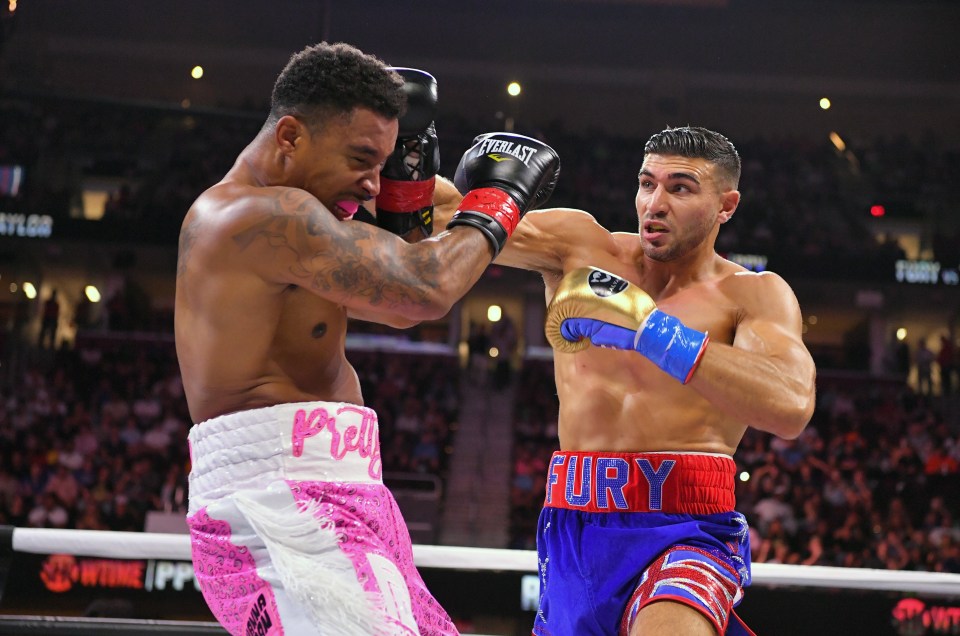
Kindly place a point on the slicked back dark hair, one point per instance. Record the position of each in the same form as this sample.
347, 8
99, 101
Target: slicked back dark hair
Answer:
698, 143
332, 79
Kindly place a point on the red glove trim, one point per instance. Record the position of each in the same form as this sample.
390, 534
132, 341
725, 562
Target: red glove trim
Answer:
696, 363
405, 196
494, 203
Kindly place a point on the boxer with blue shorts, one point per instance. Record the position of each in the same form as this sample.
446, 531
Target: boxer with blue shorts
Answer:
664, 354
619, 531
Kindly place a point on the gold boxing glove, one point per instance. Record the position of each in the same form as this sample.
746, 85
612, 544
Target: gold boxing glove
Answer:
595, 307
589, 292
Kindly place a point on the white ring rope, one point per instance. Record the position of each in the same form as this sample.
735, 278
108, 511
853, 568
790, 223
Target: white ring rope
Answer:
144, 545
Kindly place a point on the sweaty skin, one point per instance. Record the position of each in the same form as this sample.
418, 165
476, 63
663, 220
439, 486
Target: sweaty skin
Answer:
756, 370
269, 269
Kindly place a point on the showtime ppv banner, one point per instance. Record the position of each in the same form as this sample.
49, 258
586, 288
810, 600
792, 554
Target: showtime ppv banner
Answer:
67, 585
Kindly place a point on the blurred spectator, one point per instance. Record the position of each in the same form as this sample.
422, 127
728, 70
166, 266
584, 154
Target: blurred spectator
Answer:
16, 513
83, 312
48, 513
923, 357
63, 485
478, 347
773, 512
949, 363
408, 420
503, 337
173, 492
123, 517
896, 359
90, 517
425, 457
49, 321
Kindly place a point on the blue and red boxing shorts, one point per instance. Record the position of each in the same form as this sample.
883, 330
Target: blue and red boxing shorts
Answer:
619, 531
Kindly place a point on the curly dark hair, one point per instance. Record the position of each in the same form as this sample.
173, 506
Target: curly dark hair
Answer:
698, 143
331, 79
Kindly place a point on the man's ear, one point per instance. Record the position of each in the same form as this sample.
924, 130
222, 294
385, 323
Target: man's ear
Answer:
288, 131
729, 201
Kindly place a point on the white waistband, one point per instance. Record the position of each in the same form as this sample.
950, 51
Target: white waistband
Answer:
304, 441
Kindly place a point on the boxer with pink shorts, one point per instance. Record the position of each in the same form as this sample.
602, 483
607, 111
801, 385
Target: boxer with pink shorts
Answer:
293, 531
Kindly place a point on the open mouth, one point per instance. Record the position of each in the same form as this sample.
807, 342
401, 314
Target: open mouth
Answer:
344, 210
654, 230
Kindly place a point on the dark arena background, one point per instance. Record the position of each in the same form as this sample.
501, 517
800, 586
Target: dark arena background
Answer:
115, 115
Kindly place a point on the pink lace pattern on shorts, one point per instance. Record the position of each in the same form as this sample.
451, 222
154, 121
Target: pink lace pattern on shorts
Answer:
241, 600
367, 520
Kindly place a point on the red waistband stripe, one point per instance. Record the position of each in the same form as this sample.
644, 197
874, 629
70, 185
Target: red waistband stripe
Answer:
689, 483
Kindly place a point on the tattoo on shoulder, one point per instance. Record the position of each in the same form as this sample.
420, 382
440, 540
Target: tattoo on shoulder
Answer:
188, 236
291, 216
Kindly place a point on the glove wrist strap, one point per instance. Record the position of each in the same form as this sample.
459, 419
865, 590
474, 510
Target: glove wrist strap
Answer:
492, 211
671, 345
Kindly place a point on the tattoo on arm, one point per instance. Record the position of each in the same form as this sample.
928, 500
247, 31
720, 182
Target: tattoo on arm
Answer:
348, 261
366, 266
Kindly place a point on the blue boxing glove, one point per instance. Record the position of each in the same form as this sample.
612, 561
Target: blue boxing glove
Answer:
621, 316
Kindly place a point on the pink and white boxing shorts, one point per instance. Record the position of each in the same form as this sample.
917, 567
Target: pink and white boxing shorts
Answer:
293, 531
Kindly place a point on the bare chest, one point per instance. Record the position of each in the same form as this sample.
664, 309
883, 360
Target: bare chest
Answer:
309, 325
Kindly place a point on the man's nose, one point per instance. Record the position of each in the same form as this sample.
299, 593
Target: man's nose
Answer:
371, 183
658, 202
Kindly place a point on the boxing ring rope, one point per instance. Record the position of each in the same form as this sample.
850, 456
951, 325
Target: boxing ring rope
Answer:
176, 547
143, 545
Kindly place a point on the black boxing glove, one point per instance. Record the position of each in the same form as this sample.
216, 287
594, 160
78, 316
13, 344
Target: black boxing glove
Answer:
503, 175
408, 177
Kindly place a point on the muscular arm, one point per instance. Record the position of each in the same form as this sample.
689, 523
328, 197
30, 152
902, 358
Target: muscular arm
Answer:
544, 239
553, 240
288, 237
766, 377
